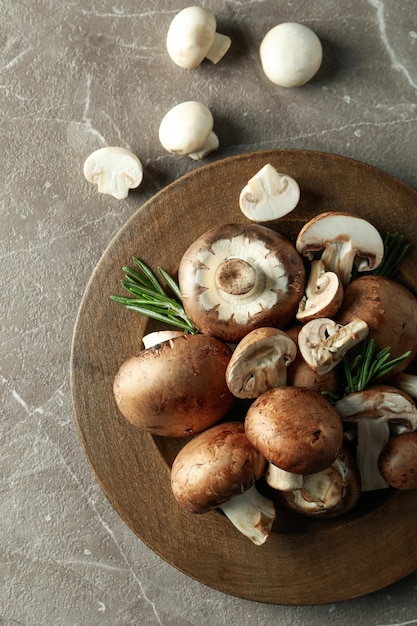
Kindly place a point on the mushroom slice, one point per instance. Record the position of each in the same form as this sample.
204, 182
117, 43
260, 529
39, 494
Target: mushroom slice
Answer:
114, 170
343, 240
332, 492
323, 343
374, 411
238, 277
269, 195
187, 129
192, 37
323, 295
398, 461
218, 469
157, 337
260, 362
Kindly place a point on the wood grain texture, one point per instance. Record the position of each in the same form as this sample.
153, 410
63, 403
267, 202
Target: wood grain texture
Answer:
304, 561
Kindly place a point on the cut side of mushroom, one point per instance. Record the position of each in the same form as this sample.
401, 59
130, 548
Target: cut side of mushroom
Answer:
260, 362
192, 37
238, 277
342, 240
157, 337
323, 295
374, 412
187, 129
323, 343
114, 170
269, 195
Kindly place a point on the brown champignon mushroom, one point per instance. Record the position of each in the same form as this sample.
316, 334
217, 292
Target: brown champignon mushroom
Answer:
323, 343
397, 462
375, 411
218, 469
330, 493
176, 388
390, 311
342, 239
260, 362
295, 428
238, 277
323, 295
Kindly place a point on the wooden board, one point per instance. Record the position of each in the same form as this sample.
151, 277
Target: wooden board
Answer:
304, 561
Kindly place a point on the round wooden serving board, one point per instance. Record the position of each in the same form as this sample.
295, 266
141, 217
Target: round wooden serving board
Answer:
304, 561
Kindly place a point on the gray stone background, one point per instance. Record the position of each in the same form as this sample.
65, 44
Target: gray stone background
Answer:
77, 76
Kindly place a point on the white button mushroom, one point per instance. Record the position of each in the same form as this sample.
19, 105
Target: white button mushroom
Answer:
187, 130
114, 170
291, 54
192, 37
269, 195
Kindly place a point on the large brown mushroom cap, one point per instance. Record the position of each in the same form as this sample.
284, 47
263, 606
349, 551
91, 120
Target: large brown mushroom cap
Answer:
390, 311
295, 428
177, 388
215, 466
238, 277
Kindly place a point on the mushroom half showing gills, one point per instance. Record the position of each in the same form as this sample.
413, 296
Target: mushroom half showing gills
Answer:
176, 388
269, 195
238, 277
192, 37
323, 294
114, 170
260, 362
389, 309
218, 469
375, 412
342, 239
332, 492
296, 429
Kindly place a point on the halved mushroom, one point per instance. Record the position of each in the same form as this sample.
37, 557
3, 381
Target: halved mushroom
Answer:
397, 462
187, 129
323, 343
114, 170
238, 277
260, 362
342, 239
159, 336
192, 37
332, 492
269, 195
176, 388
323, 295
374, 412
218, 469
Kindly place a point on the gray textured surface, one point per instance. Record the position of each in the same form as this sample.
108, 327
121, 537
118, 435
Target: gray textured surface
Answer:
77, 76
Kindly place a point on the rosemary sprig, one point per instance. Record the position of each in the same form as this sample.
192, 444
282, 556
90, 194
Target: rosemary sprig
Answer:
151, 299
395, 249
367, 367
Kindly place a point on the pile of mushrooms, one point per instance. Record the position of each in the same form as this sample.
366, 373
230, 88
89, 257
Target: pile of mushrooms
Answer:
275, 319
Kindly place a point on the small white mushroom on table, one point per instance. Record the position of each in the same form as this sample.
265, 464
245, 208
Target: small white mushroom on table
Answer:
187, 130
114, 170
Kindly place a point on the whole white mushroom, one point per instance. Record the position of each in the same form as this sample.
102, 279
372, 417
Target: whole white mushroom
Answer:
187, 130
291, 54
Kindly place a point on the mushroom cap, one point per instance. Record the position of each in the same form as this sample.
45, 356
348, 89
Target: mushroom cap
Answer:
190, 36
295, 428
215, 466
398, 461
390, 311
269, 195
264, 257
114, 170
177, 388
259, 362
291, 54
186, 127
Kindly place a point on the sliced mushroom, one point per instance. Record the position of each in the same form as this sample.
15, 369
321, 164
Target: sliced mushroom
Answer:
238, 277
260, 362
323, 343
374, 411
323, 295
114, 170
291, 54
397, 462
218, 469
192, 37
269, 195
187, 129
176, 388
342, 239
157, 337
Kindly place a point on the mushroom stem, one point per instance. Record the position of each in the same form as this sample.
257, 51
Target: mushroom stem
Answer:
210, 144
282, 480
236, 277
338, 257
374, 436
220, 45
252, 514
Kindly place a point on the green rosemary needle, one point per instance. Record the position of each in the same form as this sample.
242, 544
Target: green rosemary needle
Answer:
148, 297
